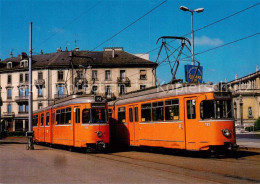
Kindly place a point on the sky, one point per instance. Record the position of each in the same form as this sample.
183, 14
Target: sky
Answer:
58, 23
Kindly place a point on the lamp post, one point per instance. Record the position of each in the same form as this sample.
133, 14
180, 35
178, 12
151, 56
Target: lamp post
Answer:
198, 10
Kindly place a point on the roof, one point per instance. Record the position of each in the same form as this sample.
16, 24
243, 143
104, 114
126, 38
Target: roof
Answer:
95, 59
168, 90
246, 78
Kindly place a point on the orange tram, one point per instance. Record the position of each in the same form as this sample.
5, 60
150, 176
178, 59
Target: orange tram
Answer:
178, 116
76, 121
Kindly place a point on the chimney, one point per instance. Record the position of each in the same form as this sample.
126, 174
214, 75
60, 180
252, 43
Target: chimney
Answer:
257, 69
113, 53
71, 53
11, 54
41, 52
66, 49
59, 49
23, 55
76, 49
236, 76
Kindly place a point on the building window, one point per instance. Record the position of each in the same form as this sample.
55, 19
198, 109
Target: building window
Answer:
40, 105
122, 89
20, 108
9, 79
250, 112
142, 86
108, 90
9, 93
60, 75
25, 63
40, 94
143, 75
94, 75
26, 108
94, 90
9, 65
60, 90
21, 77
27, 92
40, 76
80, 74
26, 77
21, 64
21, 92
9, 108
107, 75
122, 74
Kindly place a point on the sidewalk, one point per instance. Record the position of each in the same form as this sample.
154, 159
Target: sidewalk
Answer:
250, 140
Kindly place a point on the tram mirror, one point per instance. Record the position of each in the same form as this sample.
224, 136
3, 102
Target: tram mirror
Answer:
193, 102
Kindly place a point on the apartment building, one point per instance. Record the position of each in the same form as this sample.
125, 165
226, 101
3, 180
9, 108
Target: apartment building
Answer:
108, 73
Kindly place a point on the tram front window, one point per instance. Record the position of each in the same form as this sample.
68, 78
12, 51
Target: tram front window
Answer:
98, 115
215, 109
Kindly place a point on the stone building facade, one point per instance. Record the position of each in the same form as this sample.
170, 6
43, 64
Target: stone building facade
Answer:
246, 99
107, 73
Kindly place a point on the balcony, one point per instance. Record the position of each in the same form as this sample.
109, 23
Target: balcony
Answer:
124, 80
8, 114
19, 99
108, 95
80, 81
59, 96
39, 82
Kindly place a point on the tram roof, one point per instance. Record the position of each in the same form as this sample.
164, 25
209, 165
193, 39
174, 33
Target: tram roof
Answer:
70, 100
163, 91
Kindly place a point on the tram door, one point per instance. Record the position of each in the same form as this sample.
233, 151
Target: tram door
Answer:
132, 123
76, 124
191, 123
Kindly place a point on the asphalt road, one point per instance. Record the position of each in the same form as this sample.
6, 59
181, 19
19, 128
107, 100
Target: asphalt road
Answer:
49, 165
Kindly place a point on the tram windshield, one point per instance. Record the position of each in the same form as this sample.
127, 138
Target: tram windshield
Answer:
94, 115
215, 109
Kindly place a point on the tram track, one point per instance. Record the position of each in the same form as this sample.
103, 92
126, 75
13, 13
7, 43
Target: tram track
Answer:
177, 169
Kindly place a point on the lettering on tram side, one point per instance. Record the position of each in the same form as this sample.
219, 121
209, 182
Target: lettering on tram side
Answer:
207, 124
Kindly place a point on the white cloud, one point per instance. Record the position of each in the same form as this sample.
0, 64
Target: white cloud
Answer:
204, 40
56, 30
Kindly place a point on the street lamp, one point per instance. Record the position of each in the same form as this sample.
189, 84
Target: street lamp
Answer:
198, 10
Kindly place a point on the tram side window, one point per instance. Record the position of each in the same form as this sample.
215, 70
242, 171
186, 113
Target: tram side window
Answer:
191, 111
158, 112
77, 115
47, 118
136, 114
172, 109
146, 112
86, 116
58, 117
42, 119
63, 116
121, 115
68, 116
130, 114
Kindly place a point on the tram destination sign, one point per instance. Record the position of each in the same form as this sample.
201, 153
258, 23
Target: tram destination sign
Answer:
190, 71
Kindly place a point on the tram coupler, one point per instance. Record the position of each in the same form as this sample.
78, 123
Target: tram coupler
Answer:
101, 146
30, 145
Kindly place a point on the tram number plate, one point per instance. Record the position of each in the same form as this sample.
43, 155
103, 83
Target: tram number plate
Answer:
207, 124
98, 99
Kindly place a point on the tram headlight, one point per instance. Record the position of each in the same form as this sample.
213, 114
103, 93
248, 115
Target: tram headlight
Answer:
226, 132
99, 134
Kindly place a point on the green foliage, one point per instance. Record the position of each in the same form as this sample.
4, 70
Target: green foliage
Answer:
257, 124
249, 129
